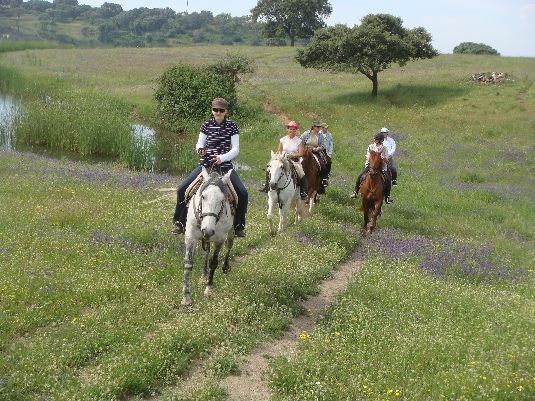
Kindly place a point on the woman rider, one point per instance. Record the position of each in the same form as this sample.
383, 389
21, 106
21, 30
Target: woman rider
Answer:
291, 144
315, 141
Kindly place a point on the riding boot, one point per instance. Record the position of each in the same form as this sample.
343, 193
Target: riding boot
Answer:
355, 193
265, 187
179, 226
388, 188
324, 178
303, 183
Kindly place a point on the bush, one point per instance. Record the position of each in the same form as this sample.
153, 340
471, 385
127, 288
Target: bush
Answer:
474, 48
185, 92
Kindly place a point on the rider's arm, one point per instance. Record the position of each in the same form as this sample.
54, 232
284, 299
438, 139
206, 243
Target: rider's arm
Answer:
201, 142
234, 149
279, 149
300, 150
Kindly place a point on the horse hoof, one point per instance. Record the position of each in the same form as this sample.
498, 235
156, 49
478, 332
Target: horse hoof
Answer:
186, 302
208, 292
202, 279
226, 269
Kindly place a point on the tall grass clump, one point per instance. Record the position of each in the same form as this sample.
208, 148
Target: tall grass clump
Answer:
82, 121
16, 45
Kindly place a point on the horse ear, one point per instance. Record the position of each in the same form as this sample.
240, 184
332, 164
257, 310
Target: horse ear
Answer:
226, 177
205, 174
272, 154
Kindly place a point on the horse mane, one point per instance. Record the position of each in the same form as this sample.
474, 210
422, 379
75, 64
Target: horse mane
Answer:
308, 161
215, 179
284, 160
375, 161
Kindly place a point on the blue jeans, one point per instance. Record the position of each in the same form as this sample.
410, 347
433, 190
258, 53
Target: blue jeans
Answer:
393, 169
181, 212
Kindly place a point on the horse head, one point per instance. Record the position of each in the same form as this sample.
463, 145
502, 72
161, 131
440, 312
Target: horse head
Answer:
278, 167
375, 163
211, 202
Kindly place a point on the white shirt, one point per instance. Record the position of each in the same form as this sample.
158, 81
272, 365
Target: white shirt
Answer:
381, 149
390, 144
290, 145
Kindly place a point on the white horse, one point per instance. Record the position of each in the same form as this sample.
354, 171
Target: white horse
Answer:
210, 219
283, 189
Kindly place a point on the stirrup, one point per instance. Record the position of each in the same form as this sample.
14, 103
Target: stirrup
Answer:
388, 201
304, 196
354, 195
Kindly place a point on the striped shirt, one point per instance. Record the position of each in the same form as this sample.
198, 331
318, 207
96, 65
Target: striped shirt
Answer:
216, 139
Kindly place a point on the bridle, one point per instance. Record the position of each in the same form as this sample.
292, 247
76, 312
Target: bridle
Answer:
286, 183
199, 215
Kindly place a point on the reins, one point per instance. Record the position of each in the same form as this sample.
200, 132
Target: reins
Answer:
199, 215
289, 179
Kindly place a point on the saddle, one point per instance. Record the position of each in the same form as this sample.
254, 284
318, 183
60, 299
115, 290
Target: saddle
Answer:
367, 173
192, 189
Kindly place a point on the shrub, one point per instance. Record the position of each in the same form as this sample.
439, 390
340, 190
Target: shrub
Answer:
474, 48
185, 91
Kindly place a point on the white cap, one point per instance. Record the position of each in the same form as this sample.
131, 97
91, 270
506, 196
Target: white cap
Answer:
384, 129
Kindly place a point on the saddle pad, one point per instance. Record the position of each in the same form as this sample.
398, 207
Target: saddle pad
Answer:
192, 189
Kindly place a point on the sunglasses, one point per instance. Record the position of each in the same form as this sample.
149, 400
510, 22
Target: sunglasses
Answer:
216, 110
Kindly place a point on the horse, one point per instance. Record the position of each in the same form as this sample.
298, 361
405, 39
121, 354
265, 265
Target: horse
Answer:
311, 168
283, 191
210, 219
372, 192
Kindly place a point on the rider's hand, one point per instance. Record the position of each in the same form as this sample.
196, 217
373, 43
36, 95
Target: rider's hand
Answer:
216, 160
201, 151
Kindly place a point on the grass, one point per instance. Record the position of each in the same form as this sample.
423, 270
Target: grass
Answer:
442, 308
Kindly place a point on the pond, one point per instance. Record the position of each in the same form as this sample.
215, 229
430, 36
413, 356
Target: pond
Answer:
167, 150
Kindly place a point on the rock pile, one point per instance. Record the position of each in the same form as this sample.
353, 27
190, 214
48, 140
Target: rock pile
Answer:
489, 78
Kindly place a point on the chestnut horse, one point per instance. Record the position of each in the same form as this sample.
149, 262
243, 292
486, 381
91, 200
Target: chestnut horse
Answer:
372, 192
312, 173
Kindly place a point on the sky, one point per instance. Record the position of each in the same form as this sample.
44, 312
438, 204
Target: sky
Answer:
506, 26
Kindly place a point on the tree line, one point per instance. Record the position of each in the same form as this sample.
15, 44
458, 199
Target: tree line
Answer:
110, 25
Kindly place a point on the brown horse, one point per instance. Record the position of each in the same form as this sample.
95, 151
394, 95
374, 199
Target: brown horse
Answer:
312, 172
372, 192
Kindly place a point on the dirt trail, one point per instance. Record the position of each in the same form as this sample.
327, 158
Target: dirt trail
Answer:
252, 384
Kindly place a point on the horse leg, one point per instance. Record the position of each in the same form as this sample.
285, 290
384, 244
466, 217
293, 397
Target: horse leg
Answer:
376, 213
188, 267
271, 203
283, 212
206, 249
365, 211
214, 260
312, 201
298, 216
229, 242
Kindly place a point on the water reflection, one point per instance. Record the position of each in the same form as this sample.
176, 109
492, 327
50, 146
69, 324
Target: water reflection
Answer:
143, 131
9, 116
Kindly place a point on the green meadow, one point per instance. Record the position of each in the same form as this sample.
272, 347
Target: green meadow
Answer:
442, 309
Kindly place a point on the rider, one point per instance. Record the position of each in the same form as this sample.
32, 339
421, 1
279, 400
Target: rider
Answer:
291, 144
376, 146
328, 146
218, 144
315, 141
390, 144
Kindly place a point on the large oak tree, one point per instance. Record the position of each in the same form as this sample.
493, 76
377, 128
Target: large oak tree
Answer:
292, 18
369, 48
